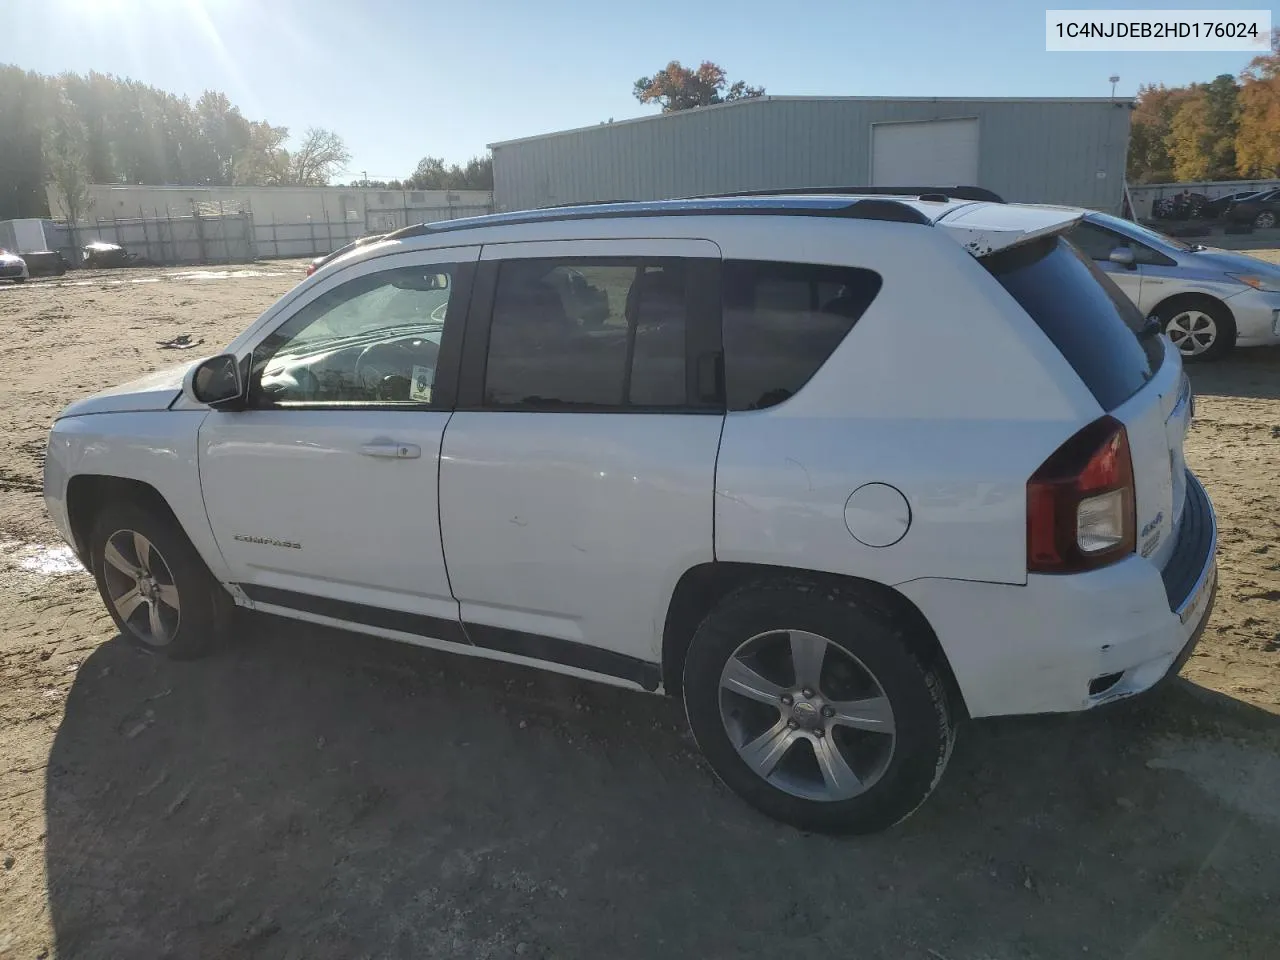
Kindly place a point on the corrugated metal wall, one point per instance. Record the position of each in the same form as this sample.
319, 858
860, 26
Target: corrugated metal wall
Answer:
1046, 151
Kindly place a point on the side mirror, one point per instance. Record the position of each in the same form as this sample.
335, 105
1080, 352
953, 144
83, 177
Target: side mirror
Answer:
216, 382
1124, 257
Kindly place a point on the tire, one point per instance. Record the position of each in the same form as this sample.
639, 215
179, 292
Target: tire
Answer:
749, 641
1265, 220
193, 608
1202, 330
19, 279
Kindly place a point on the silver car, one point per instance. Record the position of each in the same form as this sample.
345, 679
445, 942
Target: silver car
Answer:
1208, 300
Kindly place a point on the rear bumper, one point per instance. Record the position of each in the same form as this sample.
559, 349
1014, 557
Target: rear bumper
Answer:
1067, 643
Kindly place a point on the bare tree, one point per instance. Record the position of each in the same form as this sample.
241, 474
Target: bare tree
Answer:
321, 156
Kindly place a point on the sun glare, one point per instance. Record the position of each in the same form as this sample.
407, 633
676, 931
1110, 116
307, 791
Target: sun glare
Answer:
121, 9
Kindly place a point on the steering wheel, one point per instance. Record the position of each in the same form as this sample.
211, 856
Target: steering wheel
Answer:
380, 361
371, 369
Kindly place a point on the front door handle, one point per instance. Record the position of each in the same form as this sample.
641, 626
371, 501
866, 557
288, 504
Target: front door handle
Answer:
391, 450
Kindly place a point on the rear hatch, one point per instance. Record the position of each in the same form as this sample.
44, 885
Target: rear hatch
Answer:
1128, 366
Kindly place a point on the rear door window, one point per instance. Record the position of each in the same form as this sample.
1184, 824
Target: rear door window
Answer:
1089, 319
589, 334
781, 323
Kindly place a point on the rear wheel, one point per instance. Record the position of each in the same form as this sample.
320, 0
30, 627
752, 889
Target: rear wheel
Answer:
1265, 220
809, 703
154, 584
1202, 330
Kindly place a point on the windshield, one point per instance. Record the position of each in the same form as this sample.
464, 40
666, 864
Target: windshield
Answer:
1140, 232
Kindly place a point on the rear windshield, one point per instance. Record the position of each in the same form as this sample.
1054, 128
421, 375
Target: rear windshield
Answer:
1088, 318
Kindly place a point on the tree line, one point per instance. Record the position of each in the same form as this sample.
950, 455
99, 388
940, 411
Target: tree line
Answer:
72, 130
432, 174
1226, 129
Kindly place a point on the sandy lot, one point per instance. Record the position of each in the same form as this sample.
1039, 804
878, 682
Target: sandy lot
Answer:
312, 794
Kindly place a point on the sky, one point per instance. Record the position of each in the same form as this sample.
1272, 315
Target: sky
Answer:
403, 79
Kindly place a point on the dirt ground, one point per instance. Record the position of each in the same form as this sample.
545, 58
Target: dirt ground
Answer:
309, 794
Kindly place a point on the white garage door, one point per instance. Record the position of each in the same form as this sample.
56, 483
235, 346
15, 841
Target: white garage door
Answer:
926, 153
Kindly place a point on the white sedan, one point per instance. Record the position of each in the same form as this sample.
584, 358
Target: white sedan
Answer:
12, 267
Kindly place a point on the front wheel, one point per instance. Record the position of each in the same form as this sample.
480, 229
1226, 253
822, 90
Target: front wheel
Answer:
810, 704
154, 584
1265, 220
1201, 331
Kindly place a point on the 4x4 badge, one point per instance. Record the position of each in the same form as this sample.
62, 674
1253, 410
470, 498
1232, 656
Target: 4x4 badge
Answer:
1155, 522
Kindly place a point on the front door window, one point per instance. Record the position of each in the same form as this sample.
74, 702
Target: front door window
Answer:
373, 340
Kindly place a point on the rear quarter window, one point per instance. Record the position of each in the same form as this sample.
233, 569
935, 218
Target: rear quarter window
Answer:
781, 323
1086, 316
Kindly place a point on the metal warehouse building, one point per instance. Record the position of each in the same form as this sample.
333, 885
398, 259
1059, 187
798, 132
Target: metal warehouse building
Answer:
1069, 151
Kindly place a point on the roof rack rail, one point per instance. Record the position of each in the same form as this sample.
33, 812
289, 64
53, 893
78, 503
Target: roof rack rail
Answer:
958, 192
867, 208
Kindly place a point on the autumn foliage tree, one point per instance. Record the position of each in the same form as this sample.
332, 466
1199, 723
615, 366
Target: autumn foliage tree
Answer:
1257, 146
1149, 133
676, 87
1202, 133
1222, 130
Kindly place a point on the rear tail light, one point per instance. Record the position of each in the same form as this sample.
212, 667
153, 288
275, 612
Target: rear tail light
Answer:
311, 268
1080, 504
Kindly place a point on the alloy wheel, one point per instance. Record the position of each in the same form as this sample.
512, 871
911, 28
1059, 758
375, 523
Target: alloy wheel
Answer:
140, 585
1266, 220
806, 715
1192, 332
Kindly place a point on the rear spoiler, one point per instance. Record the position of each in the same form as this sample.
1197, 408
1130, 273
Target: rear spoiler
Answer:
983, 228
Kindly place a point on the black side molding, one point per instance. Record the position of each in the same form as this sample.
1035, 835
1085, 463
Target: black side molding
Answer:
417, 624
566, 652
532, 645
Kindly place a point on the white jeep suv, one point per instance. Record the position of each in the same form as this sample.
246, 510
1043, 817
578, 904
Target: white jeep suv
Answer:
838, 470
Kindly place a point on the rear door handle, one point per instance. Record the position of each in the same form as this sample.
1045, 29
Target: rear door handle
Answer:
392, 450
